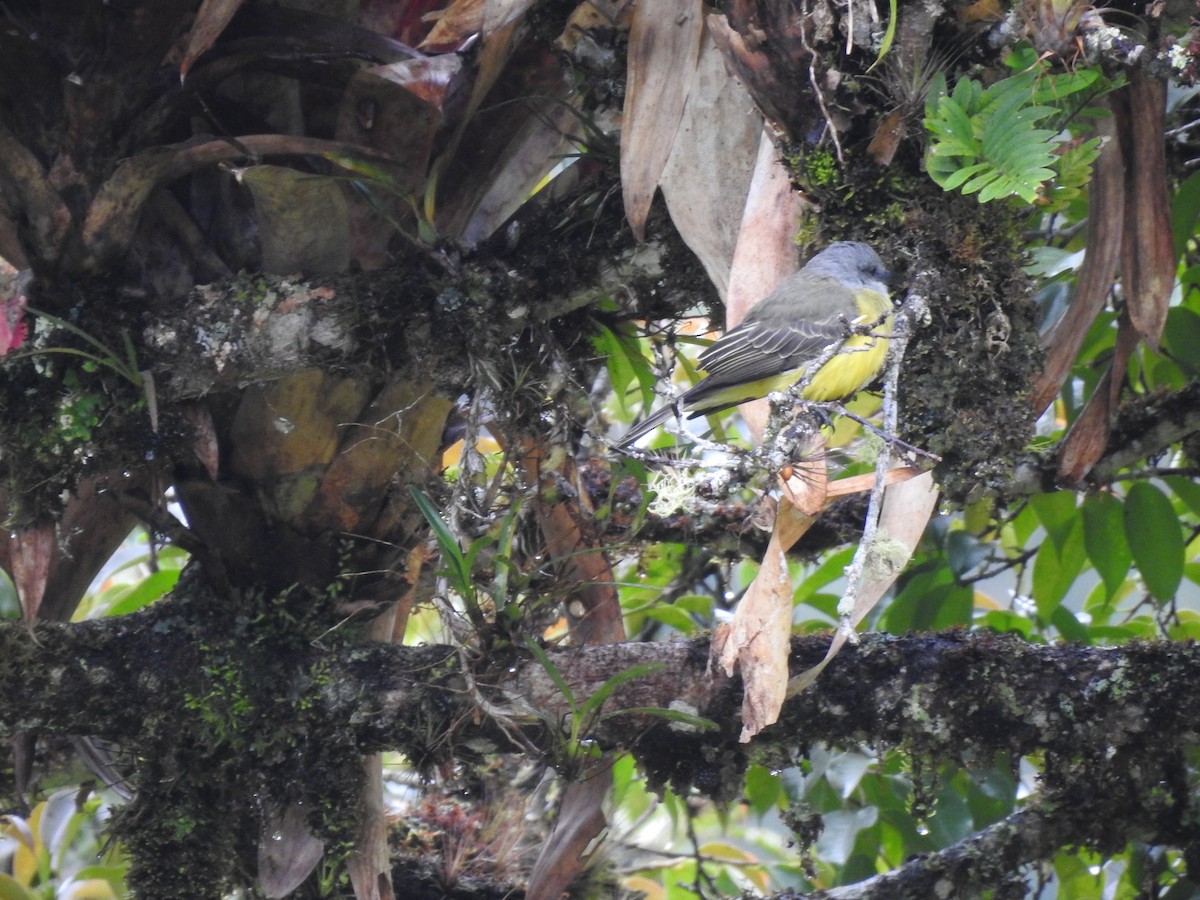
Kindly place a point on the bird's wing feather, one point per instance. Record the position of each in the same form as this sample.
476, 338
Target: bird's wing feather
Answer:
755, 350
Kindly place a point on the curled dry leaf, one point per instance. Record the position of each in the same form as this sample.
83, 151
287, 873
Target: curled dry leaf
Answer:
464, 19
664, 48
1148, 252
765, 252
718, 136
287, 850
113, 217
757, 641
211, 19
205, 444
303, 220
525, 161
1086, 441
1106, 227
30, 552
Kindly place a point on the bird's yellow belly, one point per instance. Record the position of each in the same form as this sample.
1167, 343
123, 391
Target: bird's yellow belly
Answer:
848, 372
859, 360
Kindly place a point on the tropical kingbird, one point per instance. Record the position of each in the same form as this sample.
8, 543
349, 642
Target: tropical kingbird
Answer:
816, 308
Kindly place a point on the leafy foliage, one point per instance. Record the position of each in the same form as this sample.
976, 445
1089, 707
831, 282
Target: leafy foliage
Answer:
987, 141
56, 852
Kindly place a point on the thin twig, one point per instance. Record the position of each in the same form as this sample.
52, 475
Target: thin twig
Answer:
812, 77
901, 332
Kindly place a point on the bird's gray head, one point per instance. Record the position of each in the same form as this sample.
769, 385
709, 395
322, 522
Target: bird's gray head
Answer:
852, 263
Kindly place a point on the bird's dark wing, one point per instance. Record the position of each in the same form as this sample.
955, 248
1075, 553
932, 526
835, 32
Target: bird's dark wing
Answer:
755, 350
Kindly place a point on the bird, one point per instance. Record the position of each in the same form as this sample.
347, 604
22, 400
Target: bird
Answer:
842, 287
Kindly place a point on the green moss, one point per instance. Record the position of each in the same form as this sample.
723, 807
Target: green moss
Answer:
254, 741
821, 167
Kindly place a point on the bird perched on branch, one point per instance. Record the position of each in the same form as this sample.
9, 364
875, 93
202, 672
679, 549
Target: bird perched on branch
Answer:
835, 308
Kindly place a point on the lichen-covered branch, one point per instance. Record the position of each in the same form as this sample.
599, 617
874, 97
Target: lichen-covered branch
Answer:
1109, 725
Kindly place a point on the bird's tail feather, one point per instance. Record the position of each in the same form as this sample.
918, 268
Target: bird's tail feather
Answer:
648, 424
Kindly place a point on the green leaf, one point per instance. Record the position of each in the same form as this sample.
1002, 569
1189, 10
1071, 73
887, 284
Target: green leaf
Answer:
763, 789
1069, 626
1056, 566
830, 570
964, 552
699, 723
626, 363
1185, 210
1104, 538
935, 97
983, 141
1186, 490
929, 597
1056, 512
1182, 337
591, 706
151, 588
457, 569
555, 675
1155, 538
674, 617
11, 889
1005, 621
1074, 168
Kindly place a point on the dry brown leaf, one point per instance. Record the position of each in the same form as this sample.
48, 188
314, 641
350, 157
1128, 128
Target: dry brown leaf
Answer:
398, 109
211, 19
205, 444
1086, 441
464, 19
890, 131
354, 486
857, 484
587, 572
303, 220
580, 819
1148, 254
907, 508
982, 11
525, 161
757, 642
415, 562
490, 139
1106, 224
664, 48
498, 14
592, 15
455, 24
30, 552
285, 430
287, 850
718, 136
765, 253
